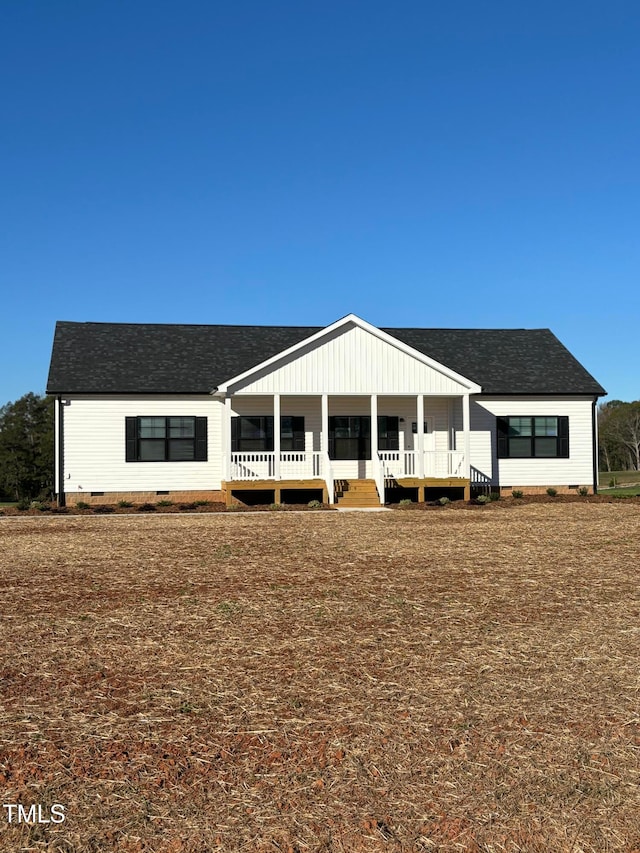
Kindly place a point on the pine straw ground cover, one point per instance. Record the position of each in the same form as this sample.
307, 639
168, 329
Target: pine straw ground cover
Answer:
448, 681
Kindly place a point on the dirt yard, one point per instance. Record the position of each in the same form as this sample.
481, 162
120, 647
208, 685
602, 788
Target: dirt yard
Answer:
400, 681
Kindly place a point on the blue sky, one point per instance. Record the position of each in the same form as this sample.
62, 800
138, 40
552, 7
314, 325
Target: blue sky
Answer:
457, 164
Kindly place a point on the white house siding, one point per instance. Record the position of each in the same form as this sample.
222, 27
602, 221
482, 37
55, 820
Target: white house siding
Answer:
94, 445
351, 361
576, 470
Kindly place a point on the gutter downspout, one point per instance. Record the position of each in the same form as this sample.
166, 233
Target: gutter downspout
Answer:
61, 495
594, 440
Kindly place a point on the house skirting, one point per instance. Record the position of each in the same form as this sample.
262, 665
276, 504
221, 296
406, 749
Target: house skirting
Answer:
182, 496
542, 490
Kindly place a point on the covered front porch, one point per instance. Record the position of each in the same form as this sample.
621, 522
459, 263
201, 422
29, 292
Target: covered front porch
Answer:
339, 443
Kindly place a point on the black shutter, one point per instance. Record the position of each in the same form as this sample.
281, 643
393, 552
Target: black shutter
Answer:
297, 425
268, 428
563, 437
235, 427
502, 430
392, 440
364, 443
200, 449
332, 437
131, 439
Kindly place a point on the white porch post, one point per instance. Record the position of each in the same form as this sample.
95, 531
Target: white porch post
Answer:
324, 447
324, 426
466, 423
420, 435
374, 430
276, 436
226, 437
376, 471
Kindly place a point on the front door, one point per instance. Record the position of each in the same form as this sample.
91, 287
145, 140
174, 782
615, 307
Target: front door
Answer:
429, 446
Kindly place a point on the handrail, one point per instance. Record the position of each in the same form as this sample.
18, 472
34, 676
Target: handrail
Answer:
378, 474
328, 476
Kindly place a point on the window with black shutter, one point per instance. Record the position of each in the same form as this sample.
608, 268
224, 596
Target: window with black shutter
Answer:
538, 437
350, 435
165, 439
254, 433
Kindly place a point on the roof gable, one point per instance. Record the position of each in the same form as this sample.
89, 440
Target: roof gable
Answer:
350, 356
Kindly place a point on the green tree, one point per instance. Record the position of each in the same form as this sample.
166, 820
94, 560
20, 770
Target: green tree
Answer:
27, 447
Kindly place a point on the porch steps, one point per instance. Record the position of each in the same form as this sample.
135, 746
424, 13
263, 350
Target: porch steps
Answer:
356, 493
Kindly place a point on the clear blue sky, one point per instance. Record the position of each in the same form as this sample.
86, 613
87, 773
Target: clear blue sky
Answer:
418, 163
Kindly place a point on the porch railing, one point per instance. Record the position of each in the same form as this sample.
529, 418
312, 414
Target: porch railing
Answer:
261, 465
315, 465
437, 463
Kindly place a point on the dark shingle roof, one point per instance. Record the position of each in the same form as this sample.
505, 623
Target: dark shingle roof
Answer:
122, 358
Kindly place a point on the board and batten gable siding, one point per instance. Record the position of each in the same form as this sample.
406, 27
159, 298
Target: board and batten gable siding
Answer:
576, 470
94, 445
349, 361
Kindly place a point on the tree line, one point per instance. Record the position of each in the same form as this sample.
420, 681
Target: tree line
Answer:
619, 436
27, 448
27, 444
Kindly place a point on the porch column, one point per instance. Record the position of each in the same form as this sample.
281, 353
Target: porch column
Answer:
226, 437
374, 432
466, 422
324, 426
276, 437
420, 435
324, 448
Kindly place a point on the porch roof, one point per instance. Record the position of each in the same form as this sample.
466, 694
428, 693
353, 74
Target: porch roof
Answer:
124, 358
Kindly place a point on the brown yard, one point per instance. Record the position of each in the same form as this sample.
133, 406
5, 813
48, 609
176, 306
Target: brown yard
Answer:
406, 681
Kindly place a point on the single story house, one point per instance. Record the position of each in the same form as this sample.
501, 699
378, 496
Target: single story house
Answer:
350, 413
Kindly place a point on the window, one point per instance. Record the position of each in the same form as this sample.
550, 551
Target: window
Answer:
250, 434
254, 433
533, 437
166, 439
350, 435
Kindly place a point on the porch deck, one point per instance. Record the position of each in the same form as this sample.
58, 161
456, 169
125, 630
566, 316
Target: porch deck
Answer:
301, 470
279, 486
276, 486
422, 483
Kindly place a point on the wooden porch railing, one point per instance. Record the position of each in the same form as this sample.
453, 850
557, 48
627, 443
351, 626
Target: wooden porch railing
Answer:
437, 463
315, 465
261, 465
